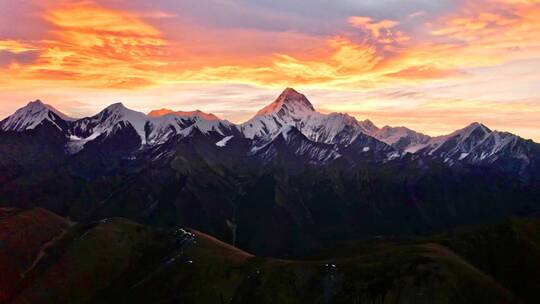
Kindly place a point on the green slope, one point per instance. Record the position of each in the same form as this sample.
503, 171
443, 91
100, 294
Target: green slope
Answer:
118, 261
509, 252
24, 235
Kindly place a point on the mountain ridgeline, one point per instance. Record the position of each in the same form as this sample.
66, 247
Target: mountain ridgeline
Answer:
287, 181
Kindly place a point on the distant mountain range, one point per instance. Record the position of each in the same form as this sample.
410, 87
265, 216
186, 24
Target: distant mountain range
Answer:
288, 179
319, 137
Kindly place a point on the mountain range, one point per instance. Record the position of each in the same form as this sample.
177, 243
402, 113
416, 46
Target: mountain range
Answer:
288, 180
320, 137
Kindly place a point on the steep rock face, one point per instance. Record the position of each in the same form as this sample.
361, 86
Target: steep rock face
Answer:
292, 147
365, 147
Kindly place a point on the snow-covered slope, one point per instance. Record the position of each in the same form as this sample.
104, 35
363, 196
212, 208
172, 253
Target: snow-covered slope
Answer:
111, 120
456, 144
294, 109
478, 144
401, 138
162, 127
34, 114
365, 147
222, 143
153, 129
291, 146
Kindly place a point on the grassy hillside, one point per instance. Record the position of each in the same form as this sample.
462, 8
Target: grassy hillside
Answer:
118, 261
509, 252
24, 236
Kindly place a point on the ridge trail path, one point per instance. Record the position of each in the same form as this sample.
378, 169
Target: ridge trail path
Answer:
43, 249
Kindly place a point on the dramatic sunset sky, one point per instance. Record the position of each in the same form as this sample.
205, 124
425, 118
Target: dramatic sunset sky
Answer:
431, 65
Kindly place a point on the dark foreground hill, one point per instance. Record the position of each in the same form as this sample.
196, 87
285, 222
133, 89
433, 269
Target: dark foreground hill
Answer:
46, 259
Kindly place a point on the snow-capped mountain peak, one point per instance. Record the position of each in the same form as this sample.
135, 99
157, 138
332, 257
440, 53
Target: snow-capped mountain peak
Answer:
474, 129
36, 106
33, 115
461, 140
119, 108
153, 129
367, 125
165, 123
289, 102
294, 109
477, 144
117, 112
110, 120
179, 123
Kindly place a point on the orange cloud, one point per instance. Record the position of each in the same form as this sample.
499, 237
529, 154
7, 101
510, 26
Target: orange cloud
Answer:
345, 61
15, 46
94, 20
422, 72
94, 46
507, 30
479, 34
476, 35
